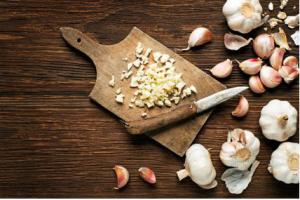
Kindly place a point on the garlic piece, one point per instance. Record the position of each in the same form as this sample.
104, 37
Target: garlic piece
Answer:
283, 3
111, 83
122, 176
289, 73
222, 69
147, 175
240, 150
274, 22
278, 120
270, 77
198, 37
295, 37
281, 15
263, 45
235, 42
120, 98
277, 57
281, 40
242, 108
243, 15
292, 21
250, 66
198, 167
271, 6
256, 85
291, 61
284, 164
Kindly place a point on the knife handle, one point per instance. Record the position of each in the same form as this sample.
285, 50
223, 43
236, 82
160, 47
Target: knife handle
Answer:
152, 123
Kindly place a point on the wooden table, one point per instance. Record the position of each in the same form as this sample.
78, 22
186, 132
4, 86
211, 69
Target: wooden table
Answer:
55, 142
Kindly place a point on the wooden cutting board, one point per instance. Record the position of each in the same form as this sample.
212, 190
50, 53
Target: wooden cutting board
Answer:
108, 60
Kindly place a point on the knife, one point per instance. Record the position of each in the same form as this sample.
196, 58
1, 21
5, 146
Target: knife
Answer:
182, 112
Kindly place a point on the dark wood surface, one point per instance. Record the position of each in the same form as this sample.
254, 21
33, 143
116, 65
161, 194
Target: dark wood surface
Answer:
55, 142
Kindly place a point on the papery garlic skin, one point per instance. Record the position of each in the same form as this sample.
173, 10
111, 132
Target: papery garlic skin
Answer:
284, 164
198, 167
222, 69
263, 45
295, 37
289, 73
251, 66
256, 85
270, 77
242, 108
243, 15
278, 120
291, 61
277, 57
240, 150
235, 42
292, 21
198, 37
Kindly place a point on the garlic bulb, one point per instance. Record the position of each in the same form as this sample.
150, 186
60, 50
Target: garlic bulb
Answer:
278, 120
198, 37
270, 77
222, 69
284, 164
198, 167
243, 15
235, 42
263, 45
240, 150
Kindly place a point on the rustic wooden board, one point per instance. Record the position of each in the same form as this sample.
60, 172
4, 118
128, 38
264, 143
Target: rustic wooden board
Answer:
55, 142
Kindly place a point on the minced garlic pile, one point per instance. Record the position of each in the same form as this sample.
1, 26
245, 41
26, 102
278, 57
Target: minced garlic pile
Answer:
155, 80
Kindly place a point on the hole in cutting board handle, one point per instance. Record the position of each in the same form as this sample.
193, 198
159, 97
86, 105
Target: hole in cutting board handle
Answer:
78, 40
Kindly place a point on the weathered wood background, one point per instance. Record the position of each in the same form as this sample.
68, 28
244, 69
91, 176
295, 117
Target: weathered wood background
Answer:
55, 142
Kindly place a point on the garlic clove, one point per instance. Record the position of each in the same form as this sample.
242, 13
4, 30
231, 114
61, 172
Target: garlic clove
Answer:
277, 57
122, 176
198, 37
235, 42
263, 45
291, 61
250, 66
147, 175
242, 108
289, 73
281, 39
222, 69
256, 85
270, 77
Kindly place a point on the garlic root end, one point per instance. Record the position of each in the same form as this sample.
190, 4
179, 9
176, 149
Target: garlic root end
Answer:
182, 174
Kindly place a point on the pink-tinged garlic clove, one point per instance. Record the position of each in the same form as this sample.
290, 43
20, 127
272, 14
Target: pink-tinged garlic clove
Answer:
270, 77
235, 42
242, 108
281, 39
147, 175
291, 61
263, 45
198, 37
222, 69
277, 58
122, 175
289, 73
256, 85
250, 66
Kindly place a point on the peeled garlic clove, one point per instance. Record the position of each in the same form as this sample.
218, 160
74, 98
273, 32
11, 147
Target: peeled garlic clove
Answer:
277, 57
198, 37
122, 176
256, 85
251, 66
263, 45
242, 108
222, 69
270, 77
291, 61
235, 42
281, 40
147, 175
289, 73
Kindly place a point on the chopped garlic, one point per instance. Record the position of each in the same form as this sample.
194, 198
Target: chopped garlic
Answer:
271, 6
118, 91
139, 48
139, 103
281, 15
144, 115
168, 103
283, 3
156, 56
130, 105
129, 66
148, 51
193, 89
172, 60
128, 74
125, 59
120, 98
137, 63
273, 22
164, 58
111, 83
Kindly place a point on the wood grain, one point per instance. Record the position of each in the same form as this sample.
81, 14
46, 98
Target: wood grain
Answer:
55, 142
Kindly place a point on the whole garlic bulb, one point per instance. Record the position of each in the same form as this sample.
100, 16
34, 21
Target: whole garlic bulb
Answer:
284, 164
243, 15
278, 120
240, 150
198, 167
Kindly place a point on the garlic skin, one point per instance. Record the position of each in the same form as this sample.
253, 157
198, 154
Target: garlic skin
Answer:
295, 37
277, 57
243, 15
122, 175
291, 61
198, 37
240, 150
284, 164
281, 39
242, 108
263, 45
270, 77
278, 120
289, 73
250, 66
256, 85
222, 69
292, 21
235, 42
198, 167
